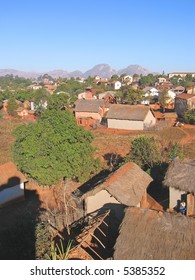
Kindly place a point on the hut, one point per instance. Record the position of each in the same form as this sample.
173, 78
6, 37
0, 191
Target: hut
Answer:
155, 235
126, 186
179, 178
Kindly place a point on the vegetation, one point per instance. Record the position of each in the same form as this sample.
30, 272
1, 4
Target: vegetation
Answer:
12, 107
145, 152
130, 95
150, 155
54, 148
189, 117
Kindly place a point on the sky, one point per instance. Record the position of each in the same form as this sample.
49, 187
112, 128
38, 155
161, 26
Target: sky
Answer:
43, 35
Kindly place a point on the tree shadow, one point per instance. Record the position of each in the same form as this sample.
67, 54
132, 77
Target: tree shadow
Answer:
19, 213
113, 159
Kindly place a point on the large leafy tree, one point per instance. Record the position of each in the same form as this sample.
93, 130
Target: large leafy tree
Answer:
54, 148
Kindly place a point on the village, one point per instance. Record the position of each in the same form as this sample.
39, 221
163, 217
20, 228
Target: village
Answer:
135, 204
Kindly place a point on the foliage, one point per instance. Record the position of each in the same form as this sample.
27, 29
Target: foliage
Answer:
148, 80
23, 95
10, 81
163, 100
12, 107
43, 241
58, 101
144, 151
58, 252
174, 151
189, 116
54, 148
131, 95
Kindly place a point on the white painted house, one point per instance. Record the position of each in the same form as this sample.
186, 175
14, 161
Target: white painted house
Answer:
116, 85
149, 93
130, 117
12, 184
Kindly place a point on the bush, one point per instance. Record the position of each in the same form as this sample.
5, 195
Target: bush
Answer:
189, 117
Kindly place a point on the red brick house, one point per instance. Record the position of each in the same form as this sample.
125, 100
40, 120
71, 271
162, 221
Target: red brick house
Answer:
89, 112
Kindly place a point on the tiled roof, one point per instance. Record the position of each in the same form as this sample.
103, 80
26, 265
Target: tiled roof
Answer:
10, 176
128, 112
185, 96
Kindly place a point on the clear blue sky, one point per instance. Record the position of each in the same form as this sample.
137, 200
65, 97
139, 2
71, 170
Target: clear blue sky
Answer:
43, 35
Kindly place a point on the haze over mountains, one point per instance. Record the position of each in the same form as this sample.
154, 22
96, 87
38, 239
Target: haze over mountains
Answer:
102, 70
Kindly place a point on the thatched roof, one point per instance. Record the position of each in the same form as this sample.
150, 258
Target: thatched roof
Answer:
93, 105
151, 235
128, 112
127, 185
180, 175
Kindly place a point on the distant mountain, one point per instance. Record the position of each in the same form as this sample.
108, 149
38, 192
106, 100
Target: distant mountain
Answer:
134, 69
102, 70
76, 74
58, 73
30, 75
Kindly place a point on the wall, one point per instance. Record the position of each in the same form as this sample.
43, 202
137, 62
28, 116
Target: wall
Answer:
150, 120
103, 199
11, 194
180, 106
125, 124
95, 116
174, 197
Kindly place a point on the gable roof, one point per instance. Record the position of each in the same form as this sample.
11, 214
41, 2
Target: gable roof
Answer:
180, 175
10, 176
128, 112
151, 235
127, 185
89, 105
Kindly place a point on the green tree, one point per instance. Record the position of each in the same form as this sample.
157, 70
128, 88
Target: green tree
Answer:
163, 100
189, 116
145, 151
54, 148
58, 101
12, 107
131, 95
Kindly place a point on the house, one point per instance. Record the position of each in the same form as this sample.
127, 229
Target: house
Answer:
87, 94
155, 235
127, 79
12, 184
161, 80
89, 112
5, 103
179, 179
179, 90
130, 117
35, 86
116, 85
150, 93
126, 186
184, 102
190, 89
26, 114
181, 74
